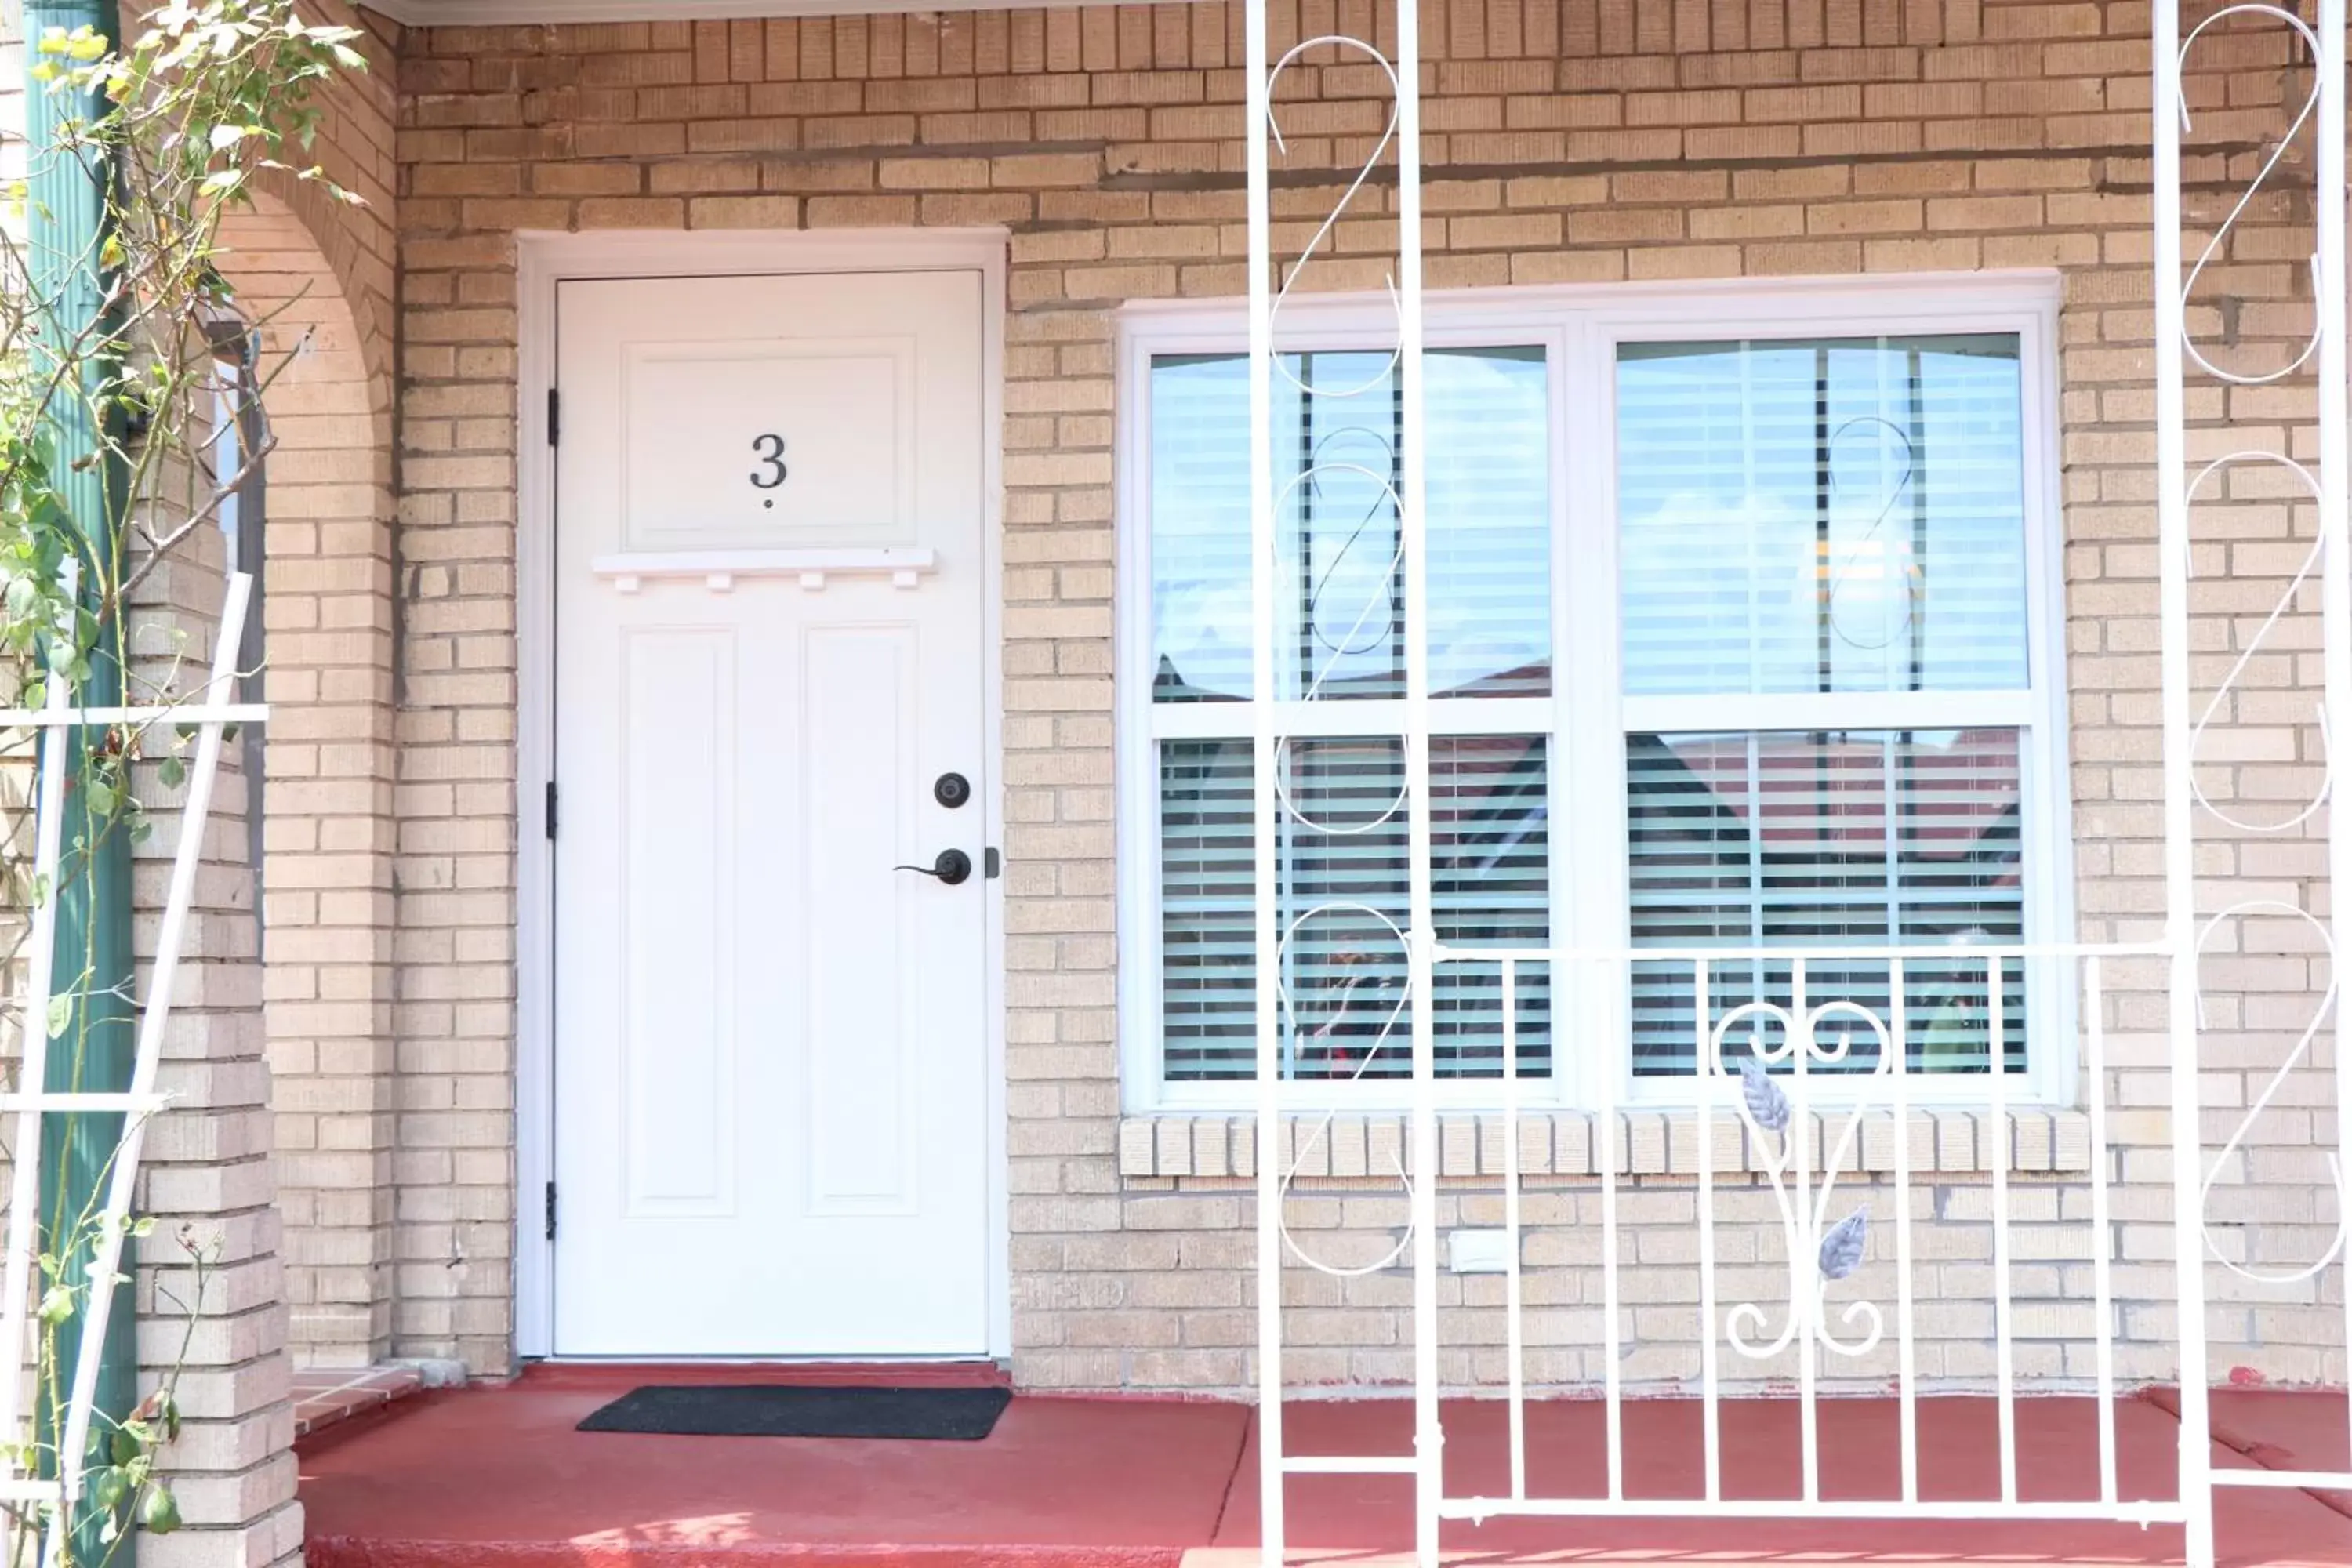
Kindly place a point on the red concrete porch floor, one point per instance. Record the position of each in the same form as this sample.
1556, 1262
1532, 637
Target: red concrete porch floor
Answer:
496, 1476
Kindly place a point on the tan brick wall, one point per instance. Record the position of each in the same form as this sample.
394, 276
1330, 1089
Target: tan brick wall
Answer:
207, 1176
328, 823
316, 275
1587, 140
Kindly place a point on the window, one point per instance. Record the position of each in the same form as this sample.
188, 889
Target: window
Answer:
241, 432
1741, 614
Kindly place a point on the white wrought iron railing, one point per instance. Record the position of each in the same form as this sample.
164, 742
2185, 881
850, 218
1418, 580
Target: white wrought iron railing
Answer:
1805, 1076
1843, 1058
2180, 360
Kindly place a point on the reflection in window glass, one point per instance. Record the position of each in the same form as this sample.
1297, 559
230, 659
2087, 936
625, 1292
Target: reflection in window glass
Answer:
1340, 601
1835, 515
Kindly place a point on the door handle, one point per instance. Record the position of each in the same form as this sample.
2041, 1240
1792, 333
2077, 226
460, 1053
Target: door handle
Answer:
953, 866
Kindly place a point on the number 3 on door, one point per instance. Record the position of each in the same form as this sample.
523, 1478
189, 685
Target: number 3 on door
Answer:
771, 449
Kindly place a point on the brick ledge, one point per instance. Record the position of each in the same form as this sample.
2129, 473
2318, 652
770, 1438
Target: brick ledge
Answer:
1222, 1144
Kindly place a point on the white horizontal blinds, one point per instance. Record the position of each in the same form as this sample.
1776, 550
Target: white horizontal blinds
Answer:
1851, 839
1821, 515
1339, 635
1811, 518
1207, 920
1340, 619
1343, 902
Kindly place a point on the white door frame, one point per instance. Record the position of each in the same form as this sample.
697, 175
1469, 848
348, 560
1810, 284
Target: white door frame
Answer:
541, 261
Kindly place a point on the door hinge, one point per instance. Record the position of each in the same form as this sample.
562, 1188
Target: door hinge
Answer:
550, 808
554, 417
550, 1211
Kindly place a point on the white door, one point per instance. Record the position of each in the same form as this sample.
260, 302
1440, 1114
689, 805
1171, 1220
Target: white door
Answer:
770, 1043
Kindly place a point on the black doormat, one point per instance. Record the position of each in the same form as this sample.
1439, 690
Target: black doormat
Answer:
735, 1410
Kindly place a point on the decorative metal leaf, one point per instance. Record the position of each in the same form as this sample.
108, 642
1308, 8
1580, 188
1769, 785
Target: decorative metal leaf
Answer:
1842, 1244
1765, 1103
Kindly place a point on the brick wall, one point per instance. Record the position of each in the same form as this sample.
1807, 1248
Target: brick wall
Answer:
328, 602
316, 275
207, 1176
1588, 139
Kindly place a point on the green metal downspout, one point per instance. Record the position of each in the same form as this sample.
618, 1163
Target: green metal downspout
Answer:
65, 214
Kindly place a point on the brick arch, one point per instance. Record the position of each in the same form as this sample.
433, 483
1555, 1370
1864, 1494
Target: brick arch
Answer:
349, 241
328, 799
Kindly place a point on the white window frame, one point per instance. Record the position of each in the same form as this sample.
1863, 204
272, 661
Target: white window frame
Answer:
1586, 718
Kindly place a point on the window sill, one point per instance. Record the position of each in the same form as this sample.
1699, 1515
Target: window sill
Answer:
1565, 1143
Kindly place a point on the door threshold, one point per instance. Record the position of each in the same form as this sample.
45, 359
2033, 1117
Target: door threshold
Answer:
909, 1372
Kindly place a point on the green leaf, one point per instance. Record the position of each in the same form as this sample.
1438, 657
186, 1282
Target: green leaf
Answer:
172, 772
159, 1512
60, 1014
57, 1304
222, 180
226, 136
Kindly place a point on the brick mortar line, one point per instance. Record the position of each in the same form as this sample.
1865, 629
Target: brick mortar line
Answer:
1387, 176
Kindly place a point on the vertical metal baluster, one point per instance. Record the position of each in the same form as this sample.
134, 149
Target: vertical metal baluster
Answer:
2003, 1314
1605, 1137
2336, 582
2179, 826
1710, 1374
2102, 1235
1906, 1347
1262, 578
1429, 1434
1514, 1330
1804, 1278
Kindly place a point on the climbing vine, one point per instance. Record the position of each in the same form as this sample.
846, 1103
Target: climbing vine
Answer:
113, 340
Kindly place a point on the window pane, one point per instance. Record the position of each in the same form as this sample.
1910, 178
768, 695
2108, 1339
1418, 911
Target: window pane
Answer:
1342, 887
1340, 606
1855, 839
1838, 515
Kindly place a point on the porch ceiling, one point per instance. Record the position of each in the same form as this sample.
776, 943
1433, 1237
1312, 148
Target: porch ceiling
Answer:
481, 13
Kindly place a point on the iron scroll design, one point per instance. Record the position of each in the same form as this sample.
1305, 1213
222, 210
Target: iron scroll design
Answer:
2224, 700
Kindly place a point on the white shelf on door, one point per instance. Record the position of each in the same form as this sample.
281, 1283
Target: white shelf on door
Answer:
719, 568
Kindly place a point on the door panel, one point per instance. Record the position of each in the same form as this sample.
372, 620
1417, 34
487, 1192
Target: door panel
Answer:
771, 1044
677, 921
864, 968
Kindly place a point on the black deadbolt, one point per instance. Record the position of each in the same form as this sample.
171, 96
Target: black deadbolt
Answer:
951, 790
953, 866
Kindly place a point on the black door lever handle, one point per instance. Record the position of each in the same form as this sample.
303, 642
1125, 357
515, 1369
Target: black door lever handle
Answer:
953, 866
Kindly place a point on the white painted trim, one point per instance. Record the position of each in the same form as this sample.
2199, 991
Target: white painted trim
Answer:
1709, 306
543, 260
1582, 324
